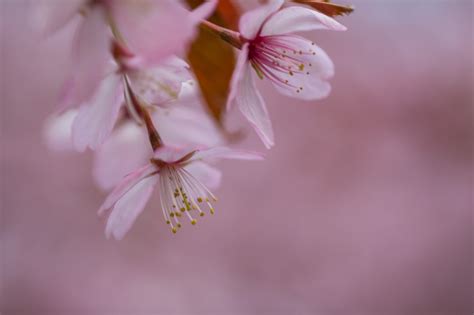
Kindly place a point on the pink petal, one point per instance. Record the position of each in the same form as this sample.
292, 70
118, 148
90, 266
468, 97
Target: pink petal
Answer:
237, 75
125, 150
128, 207
208, 175
251, 22
297, 19
91, 55
203, 11
253, 107
311, 82
186, 126
154, 30
162, 84
57, 131
225, 153
95, 120
127, 183
49, 16
171, 154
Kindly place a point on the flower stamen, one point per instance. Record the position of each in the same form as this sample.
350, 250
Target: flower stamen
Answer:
182, 193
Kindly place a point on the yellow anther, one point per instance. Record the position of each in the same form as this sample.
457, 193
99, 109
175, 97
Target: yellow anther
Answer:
168, 222
201, 214
193, 222
178, 225
301, 67
199, 199
172, 214
182, 209
173, 230
211, 210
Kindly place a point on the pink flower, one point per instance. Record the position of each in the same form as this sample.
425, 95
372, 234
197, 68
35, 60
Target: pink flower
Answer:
151, 29
294, 65
182, 193
154, 87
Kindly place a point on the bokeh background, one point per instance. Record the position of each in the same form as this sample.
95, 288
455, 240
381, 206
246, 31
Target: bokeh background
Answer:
364, 206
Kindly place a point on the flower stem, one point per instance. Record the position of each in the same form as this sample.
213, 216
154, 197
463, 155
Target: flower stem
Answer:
119, 51
225, 34
131, 99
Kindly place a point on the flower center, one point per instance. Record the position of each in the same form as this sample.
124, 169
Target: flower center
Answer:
181, 195
278, 59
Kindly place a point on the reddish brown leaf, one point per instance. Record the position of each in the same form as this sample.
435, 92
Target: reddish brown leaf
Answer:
328, 8
212, 60
229, 13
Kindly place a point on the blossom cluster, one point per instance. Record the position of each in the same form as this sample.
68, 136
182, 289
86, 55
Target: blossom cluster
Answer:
132, 99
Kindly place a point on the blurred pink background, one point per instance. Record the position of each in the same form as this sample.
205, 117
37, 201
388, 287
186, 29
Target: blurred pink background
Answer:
363, 207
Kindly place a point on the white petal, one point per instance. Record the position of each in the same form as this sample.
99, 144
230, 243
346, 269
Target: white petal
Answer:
57, 131
225, 153
125, 150
297, 19
125, 185
208, 175
237, 75
49, 16
95, 120
171, 154
127, 209
310, 82
251, 22
253, 107
159, 85
91, 55
186, 126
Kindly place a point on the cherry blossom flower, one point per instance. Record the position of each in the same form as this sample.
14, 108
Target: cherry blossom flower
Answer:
154, 87
143, 26
182, 194
295, 66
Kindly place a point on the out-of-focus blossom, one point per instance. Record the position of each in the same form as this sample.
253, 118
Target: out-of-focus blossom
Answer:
294, 65
180, 123
156, 29
152, 30
182, 194
155, 86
